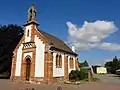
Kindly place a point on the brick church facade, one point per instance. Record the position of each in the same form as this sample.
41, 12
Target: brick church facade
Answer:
41, 57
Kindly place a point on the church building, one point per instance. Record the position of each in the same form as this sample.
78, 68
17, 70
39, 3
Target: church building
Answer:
40, 57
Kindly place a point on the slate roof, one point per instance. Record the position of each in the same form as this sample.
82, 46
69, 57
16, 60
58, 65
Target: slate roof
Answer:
57, 43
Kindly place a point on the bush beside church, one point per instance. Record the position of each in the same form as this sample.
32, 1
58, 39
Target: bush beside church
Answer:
76, 75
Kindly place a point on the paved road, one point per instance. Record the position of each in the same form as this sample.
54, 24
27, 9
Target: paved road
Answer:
109, 78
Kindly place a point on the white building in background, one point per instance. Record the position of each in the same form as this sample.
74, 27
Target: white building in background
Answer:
101, 70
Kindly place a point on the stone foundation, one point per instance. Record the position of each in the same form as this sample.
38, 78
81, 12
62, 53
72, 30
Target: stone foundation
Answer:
58, 79
35, 80
38, 80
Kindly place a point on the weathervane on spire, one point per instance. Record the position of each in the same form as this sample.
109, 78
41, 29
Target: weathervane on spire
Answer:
32, 13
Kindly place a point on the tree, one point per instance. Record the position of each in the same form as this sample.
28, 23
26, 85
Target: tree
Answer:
10, 35
115, 65
112, 66
108, 65
86, 64
83, 64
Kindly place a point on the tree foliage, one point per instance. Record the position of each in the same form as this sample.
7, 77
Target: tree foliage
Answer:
108, 65
84, 64
10, 35
112, 66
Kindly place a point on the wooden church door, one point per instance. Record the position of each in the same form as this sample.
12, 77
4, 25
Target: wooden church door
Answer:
28, 66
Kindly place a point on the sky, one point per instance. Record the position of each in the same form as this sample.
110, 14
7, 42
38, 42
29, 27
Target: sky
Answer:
92, 26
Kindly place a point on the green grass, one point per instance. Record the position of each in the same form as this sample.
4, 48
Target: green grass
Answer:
95, 79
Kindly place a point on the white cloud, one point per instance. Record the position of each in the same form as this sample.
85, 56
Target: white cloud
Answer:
91, 35
109, 46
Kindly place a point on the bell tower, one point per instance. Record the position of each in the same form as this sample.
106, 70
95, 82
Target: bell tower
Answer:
30, 25
29, 46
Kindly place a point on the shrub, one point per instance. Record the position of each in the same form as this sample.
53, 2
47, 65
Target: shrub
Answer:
72, 75
78, 75
83, 73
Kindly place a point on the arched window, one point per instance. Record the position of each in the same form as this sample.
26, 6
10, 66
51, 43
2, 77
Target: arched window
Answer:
76, 63
71, 63
57, 61
28, 33
60, 61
